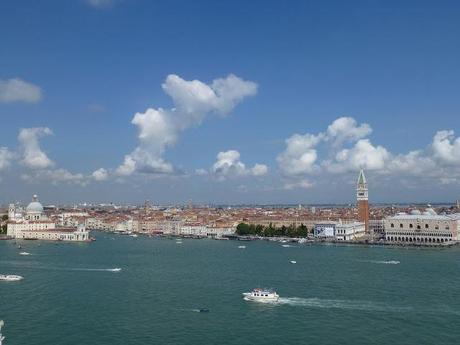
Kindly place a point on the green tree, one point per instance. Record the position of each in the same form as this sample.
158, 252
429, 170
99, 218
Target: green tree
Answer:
242, 229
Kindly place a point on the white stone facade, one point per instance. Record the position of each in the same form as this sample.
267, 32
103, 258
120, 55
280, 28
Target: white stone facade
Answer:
35, 225
423, 228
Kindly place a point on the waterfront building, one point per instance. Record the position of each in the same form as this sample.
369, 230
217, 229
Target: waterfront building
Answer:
363, 200
377, 227
422, 228
33, 224
339, 231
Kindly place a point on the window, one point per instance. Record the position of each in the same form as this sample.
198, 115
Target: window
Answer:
418, 227
426, 226
401, 225
392, 225
411, 226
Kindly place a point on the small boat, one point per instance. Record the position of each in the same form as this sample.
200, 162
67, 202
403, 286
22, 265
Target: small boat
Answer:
203, 310
10, 277
286, 246
293, 262
1, 336
133, 235
242, 247
261, 295
117, 269
24, 253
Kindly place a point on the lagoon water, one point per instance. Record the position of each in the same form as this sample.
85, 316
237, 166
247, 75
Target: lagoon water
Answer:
333, 295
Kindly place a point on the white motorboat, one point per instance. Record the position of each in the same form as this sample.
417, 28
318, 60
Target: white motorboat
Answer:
117, 269
293, 262
1, 336
261, 295
24, 253
241, 247
10, 277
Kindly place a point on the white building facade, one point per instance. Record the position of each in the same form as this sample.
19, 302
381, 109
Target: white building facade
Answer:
425, 228
33, 224
339, 231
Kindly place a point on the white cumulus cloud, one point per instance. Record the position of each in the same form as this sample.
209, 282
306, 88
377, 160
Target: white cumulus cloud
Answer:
55, 177
17, 90
32, 155
6, 156
229, 165
363, 155
193, 101
346, 129
300, 154
345, 147
100, 174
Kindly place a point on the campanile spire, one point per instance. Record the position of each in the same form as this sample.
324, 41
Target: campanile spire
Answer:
362, 199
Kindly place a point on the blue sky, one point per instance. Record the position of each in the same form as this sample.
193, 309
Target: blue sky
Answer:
85, 68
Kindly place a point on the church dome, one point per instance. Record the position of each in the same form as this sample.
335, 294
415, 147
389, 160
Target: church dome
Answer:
34, 206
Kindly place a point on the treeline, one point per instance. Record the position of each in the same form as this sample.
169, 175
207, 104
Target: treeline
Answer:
3, 225
272, 231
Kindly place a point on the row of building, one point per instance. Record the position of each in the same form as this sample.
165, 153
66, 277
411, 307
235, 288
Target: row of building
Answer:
360, 223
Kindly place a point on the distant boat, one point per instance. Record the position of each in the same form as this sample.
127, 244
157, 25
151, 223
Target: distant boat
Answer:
286, 245
10, 277
24, 253
1, 336
133, 235
293, 262
242, 247
117, 269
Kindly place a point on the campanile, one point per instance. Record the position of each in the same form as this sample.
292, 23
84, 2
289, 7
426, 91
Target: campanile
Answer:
362, 200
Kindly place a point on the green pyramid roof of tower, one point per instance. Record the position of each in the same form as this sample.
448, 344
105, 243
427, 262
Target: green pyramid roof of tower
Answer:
361, 177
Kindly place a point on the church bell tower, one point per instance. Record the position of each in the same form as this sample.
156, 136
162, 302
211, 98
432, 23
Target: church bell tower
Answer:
363, 200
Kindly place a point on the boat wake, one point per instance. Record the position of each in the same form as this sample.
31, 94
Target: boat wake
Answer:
117, 269
340, 304
386, 262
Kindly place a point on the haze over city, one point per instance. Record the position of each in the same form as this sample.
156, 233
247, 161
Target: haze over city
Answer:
121, 101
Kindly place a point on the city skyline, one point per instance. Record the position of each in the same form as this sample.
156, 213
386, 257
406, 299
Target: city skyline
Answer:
254, 114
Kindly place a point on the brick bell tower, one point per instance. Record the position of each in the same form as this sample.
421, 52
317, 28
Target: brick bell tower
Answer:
362, 198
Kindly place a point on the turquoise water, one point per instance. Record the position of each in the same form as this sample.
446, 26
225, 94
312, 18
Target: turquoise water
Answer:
333, 295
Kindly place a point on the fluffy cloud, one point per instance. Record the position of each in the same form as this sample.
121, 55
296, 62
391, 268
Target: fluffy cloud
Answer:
300, 155
6, 156
41, 167
446, 148
32, 155
344, 147
229, 165
17, 90
55, 176
363, 155
346, 129
100, 174
193, 101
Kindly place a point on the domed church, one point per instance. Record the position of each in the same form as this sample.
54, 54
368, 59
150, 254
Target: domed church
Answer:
33, 224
